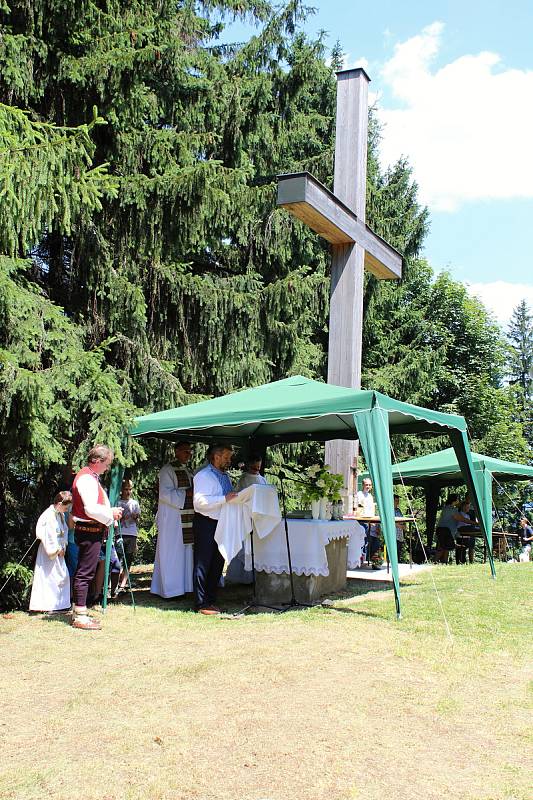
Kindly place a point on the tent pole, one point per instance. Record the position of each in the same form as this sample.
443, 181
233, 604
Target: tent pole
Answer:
397, 602
461, 446
486, 499
293, 602
253, 603
124, 561
432, 493
373, 431
117, 473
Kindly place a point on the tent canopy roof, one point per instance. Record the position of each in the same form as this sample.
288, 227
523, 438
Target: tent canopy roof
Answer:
443, 468
289, 410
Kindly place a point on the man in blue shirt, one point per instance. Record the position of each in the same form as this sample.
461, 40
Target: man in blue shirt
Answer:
212, 489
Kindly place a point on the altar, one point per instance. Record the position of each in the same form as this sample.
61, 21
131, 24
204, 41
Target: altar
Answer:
321, 553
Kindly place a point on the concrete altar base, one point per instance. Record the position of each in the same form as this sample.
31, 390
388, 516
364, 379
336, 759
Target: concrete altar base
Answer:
274, 589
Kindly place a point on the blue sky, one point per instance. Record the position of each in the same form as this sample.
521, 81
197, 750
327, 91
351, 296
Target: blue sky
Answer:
453, 87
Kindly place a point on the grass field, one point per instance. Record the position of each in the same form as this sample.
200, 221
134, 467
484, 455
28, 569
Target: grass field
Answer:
333, 703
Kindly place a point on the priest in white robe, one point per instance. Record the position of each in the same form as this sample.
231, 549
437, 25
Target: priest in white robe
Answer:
51, 581
173, 564
236, 573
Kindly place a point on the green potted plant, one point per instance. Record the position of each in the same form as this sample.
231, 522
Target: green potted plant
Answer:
322, 486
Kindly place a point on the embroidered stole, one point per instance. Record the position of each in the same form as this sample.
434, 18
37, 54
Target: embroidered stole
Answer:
183, 478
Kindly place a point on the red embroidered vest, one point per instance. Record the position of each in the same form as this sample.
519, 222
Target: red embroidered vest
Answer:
78, 509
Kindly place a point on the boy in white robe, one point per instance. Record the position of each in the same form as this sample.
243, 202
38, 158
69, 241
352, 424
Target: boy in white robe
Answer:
51, 582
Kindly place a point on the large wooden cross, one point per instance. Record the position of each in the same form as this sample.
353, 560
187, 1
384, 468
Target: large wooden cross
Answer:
339, 217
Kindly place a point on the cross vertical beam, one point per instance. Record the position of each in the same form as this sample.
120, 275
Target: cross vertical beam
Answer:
347, 268
339, 217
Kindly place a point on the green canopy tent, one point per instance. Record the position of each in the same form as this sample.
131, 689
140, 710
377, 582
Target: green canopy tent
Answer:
298, 409
435, 471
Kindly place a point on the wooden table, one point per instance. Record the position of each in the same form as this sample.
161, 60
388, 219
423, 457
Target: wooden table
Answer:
500, 536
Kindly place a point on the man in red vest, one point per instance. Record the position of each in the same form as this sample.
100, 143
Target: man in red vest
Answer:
92, 515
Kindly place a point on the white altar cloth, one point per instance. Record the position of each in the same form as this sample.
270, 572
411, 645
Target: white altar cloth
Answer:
255, 508
308, 539
356, 546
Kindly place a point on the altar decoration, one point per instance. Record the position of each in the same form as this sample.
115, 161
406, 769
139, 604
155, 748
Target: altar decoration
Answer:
322, 492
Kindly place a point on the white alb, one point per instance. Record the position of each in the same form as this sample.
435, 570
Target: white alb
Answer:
51, 583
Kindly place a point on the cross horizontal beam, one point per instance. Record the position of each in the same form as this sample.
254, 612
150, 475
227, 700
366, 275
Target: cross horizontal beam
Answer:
310, 201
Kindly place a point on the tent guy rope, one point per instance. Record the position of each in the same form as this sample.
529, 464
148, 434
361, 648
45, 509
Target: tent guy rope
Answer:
18, 565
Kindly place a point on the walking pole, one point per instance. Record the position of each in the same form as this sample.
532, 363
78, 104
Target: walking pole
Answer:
125, 561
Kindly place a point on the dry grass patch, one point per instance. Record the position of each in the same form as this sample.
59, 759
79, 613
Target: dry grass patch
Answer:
337, 703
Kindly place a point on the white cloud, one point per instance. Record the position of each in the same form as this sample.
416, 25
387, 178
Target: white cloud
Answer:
502, 298
466, 128
353, 63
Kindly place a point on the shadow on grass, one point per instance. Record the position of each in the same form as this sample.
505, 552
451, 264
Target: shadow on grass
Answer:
235, 598
232, 597
357, 611
65, 618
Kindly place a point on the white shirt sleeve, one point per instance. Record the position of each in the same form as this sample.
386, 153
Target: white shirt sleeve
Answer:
208, 498
168, 488
88, 489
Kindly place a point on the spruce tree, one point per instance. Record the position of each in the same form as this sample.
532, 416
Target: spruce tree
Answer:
201, 285
54, 394
179, 281
520, 334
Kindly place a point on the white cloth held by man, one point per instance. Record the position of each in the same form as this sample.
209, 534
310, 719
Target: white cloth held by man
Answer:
236, 571
255, 508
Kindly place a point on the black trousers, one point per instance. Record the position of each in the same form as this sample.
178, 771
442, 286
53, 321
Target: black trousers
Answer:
89, 551
208, 561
